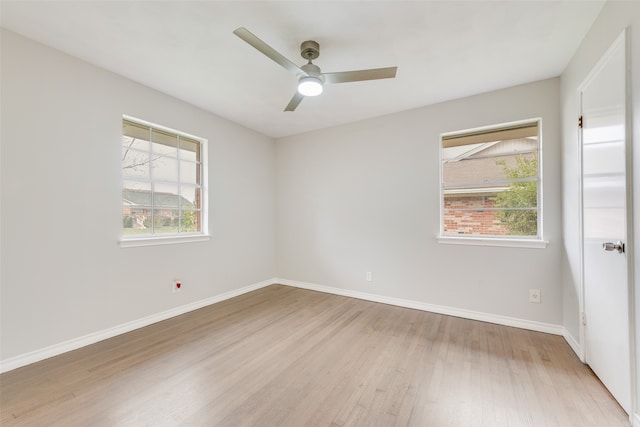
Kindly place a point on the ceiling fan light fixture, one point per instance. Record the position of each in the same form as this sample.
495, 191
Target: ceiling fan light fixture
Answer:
310, 86
310, 78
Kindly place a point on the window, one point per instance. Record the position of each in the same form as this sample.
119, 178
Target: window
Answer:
162, 183
491, 183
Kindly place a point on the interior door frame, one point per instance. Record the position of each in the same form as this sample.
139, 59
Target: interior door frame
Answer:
625, 38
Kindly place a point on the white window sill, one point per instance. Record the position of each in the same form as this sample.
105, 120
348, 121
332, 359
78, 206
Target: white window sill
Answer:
162, 240
493, 241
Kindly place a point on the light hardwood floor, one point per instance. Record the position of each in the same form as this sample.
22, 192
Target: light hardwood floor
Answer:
282, 356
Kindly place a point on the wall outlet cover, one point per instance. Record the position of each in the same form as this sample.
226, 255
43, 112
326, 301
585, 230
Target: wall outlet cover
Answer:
535, 296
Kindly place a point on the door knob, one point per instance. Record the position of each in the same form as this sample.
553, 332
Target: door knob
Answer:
618, 246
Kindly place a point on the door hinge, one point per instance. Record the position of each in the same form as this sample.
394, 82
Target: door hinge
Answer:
580, 122
584, 319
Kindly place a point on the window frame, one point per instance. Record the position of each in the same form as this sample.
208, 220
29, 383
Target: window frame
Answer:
494, 240
152, 239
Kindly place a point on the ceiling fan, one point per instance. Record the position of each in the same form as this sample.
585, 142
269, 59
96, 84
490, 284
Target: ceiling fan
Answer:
310, 79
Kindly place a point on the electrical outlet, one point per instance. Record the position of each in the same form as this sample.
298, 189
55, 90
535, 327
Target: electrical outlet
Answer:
369, 276
177, 285
535, 296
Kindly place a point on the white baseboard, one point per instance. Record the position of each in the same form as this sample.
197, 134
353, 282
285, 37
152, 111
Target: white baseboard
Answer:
573, 343
75, 343
450, 311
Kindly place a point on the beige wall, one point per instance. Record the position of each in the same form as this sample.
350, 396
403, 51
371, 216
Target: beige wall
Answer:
63, 273
365, 197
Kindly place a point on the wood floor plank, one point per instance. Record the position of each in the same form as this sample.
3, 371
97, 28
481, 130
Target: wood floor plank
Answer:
282, 356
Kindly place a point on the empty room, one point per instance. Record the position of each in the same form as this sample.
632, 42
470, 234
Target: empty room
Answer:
320, 213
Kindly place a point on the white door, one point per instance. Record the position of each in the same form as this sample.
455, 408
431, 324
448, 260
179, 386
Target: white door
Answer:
604, 210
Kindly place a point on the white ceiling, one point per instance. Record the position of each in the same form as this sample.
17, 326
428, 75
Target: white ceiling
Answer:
443, 49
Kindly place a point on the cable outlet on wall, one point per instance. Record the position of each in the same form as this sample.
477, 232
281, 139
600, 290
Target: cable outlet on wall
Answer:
535, 296
369, 276
177, 285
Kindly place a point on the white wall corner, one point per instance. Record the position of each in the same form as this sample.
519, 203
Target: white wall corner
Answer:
76, 343
417, 305
573, 343
636, 420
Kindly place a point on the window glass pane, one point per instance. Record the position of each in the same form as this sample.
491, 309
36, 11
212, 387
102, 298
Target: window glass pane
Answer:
129, 142
166, 195
136, 220
478, 201
136, 193
518, 195
499, 222
164, 169
473, 222
188, 155
135, 163
519, 222
189, 172
487, 164
189, 222
524, 130
164, 144
165, 221
189, 196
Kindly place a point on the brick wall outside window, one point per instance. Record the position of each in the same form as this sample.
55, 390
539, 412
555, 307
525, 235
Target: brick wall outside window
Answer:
475, 221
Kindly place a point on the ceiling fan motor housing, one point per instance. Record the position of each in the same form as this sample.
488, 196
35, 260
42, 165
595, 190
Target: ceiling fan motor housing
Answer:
312, 70
309, 50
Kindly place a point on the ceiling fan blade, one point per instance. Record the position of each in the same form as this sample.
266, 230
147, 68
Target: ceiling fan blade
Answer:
295, 101
267, 50
360, 75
